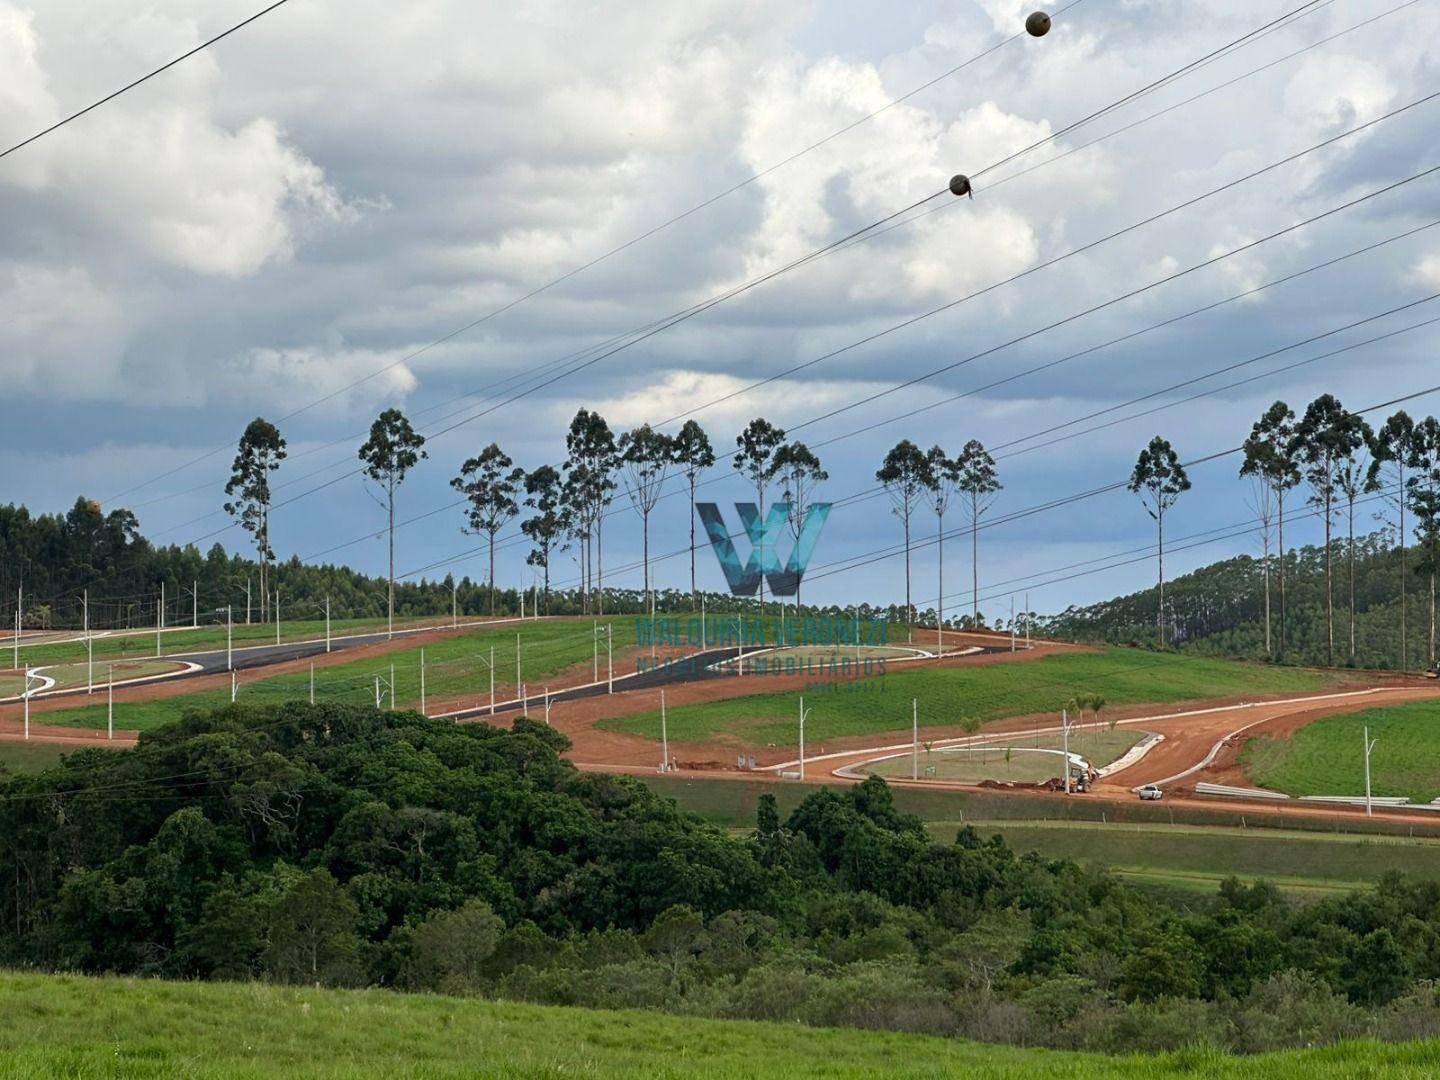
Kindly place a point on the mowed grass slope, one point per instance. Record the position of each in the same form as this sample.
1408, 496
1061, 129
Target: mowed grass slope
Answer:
1205, 855
1327, 758
987, 692
72, 1026
133, 644
456, 666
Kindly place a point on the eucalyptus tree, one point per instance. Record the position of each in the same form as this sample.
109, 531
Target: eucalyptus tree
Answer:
591, 464
1325, 439
1392, 457
393, 449
259, 454
546, 527
1424, 489
1270, 459
942, 473
755, 451
490, 482
692, 454
904, 474
1356, 478
979, 483
1159, 479
645, 455
800, 474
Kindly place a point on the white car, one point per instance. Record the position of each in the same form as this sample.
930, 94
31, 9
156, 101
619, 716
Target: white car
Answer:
1150, 791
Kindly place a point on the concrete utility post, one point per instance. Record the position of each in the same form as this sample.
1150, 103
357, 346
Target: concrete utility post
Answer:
1369, 746
914, 738
1065, 745
110, 706
89, 649
194, 604
19, 604
609, 658
664, 737
595, 641
27, 703
247, 601
454, 603
234, 686
547, 706
422, 682
277, 616
517, 662
312, 682
803, 713
229, 640
159, 618
492, 680
327, 622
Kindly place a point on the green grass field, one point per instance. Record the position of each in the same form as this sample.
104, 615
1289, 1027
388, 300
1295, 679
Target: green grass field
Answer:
1021, 765
1206, 855
72, 1026
455, 666
23, 757
946, 695
141, 643
1327, 757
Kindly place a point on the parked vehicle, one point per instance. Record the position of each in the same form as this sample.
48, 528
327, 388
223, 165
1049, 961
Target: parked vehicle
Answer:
1150, 791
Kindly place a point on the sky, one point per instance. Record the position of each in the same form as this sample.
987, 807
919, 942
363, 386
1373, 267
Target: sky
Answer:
342, 192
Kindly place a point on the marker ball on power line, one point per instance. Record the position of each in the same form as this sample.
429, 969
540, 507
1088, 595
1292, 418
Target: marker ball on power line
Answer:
1037, 24
960, 185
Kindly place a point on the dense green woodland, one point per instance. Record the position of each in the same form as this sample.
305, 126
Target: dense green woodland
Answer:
346, 846
56, 558
1220, 609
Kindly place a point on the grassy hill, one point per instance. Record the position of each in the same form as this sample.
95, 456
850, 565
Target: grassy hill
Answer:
992, 692
1325, 758
73, 1026
1220, 609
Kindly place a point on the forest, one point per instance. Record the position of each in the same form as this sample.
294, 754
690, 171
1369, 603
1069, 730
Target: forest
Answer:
1219, 609
346, 846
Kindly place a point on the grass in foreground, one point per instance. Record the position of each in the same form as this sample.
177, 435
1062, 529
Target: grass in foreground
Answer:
72, 1026
1327, 757
947, 695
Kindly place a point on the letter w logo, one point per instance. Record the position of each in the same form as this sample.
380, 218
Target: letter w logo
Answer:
764, 546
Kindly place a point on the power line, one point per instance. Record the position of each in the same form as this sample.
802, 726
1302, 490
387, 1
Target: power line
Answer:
857, 236
144, 78
619, 248
1384, 189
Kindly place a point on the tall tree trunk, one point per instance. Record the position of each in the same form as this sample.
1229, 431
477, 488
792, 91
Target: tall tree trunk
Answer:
1160, 561
1404, 648
492, 574
1269, 650
1280, 538
645, 552
390, 592
1352, 579
940, 600
1329, 591
909, 617
975, 564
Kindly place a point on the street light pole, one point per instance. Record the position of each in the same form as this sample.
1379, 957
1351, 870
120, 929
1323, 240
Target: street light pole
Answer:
1065, 745
914, 738
803, 714
1369, 746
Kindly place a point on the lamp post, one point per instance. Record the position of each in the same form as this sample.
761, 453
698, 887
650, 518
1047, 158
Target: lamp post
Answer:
1369, 746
